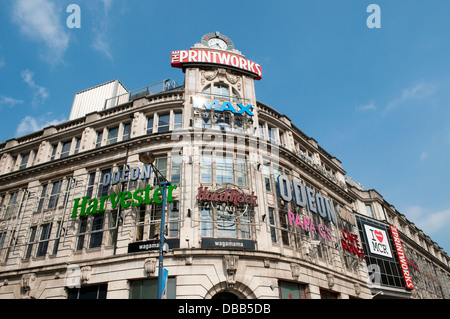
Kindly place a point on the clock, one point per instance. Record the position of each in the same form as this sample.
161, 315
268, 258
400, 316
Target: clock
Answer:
217, 41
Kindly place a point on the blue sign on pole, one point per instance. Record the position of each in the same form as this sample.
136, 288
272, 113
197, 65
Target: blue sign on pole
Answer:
164, 284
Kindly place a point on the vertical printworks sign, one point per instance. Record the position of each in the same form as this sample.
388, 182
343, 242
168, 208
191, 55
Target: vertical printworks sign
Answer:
402, 258
378, 241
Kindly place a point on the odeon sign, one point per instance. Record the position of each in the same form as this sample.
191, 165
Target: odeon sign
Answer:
305, 197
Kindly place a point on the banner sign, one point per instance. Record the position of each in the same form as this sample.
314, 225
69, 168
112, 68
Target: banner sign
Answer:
148, 245
228, 243
402, 258
178, 58
378, 241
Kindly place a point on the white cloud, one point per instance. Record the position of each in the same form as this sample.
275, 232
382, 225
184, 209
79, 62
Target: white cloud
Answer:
418, 91
9, 101
30, 124
100, 32
429, 222
368, 107
41, 21
423, 156
40, 93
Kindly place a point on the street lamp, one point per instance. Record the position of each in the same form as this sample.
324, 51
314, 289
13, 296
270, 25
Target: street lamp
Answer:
149, 158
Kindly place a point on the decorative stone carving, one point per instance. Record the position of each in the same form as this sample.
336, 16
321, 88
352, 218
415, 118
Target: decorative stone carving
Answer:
150, 266
222, 75
295, 270
86, 274
330, 279
231, 269
357, 289
188, 260
27, 284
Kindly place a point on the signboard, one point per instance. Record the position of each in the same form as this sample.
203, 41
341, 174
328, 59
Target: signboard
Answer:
228, 243
230, 196
149, 245
377, 241
179, 58
350, 243
402, 258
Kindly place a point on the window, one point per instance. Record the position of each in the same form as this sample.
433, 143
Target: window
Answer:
369, 210
98, 143
292, 290
54, 148
161, 166
266, 174
241, 172
224, 169
97, 230
148, 288
24, 162
31, 239
207, 221
206, 120
163, 123
44, 239
65, 149
220, 90
177, 120
175, 169
150, 124
90, 185
273, 232
77, 145
223, 221
140, 223
82, 232
103, 190
126, 131
174, 213
12, 205
112, 135
42, 198
206, 169
271, 131
53, 199
88, 292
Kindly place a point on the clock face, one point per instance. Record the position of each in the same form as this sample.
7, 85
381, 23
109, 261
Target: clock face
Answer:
217, 43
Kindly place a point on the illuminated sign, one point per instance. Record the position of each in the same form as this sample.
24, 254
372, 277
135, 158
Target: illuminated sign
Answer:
232, 196
402, 258
378, 241
199, 103
304, 196
90, 206
350, 243
178, 58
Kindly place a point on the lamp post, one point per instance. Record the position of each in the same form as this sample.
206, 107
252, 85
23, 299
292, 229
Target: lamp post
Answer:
149, 158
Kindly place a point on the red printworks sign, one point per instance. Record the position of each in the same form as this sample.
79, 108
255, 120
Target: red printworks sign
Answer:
402, 258
178, 58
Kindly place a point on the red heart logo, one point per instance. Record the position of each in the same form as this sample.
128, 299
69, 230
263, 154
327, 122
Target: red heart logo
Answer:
379, 235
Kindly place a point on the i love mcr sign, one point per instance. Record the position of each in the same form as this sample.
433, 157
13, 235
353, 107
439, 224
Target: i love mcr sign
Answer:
378, 241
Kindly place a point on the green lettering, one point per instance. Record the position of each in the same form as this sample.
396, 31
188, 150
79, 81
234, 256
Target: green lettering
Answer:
147, 197
157, 193
170, 190
137, 197
92, 209
77, 205
102, 203
126, 195
115, 198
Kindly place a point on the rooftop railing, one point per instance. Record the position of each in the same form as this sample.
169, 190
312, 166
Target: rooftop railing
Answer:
159, 87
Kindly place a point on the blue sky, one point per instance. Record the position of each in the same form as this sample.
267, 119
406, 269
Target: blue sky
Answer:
378, 99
